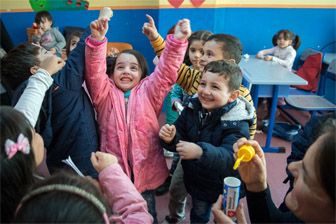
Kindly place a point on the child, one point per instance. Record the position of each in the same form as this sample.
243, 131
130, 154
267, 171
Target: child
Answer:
67, 121
21, 151
50, 38
204, 133
128, 104
72, 41
284, 52
177, 94
19, 171
220, 46
217, 47
79, 200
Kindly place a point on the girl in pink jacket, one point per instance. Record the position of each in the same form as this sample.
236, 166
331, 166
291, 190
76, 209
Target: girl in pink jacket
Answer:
68, 198
128, 103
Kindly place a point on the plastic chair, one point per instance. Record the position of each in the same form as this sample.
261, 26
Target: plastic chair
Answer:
310, 70
314, 103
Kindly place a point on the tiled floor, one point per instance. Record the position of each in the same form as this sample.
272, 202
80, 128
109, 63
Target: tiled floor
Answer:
276, 173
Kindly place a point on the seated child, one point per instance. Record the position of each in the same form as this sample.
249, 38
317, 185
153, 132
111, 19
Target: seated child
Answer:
49, 37
205, 132
66, 198
284, 52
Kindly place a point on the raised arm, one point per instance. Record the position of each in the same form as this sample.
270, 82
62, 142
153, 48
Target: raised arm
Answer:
72, 75
31, 99
95, 57
160, 82
188, 78
128, 206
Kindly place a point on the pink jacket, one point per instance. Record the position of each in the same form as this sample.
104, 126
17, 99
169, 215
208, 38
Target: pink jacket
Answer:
128, 206
134, 136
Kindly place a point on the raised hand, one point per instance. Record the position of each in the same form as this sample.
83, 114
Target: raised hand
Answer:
149, 28
101, 160
182, 29
188, 150
167, 133
253, 173
52, 64
99, 29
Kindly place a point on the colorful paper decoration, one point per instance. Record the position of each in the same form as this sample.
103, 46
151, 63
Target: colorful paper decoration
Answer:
176, 3
39, 5
197, 3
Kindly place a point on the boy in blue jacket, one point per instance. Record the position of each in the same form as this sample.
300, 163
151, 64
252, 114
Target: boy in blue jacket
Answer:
67, 119
205, 132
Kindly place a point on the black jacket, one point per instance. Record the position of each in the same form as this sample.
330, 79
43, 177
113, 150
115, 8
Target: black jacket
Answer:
67, 119
215, 133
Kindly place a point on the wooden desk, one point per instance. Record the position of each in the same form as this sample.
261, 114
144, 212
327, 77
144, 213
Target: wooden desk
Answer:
271, 80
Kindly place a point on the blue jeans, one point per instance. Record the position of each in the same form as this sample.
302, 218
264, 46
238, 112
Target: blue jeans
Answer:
149, 197
200, 211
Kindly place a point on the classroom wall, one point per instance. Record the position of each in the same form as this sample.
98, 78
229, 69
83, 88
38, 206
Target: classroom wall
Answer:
254, 26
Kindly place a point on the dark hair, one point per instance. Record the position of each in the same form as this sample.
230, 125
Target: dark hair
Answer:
229, 70
16, 172
70, 37
201, 35
232, 47
56, 206
288, 35
140, 58
16, 65
42, 14
326, 156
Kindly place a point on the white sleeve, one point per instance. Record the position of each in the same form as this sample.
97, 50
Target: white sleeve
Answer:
31, 99
265, 52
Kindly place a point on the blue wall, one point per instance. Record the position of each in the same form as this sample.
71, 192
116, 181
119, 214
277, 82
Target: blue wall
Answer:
254, 26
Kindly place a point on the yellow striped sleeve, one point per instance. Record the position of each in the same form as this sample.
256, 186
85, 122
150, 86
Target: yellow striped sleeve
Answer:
158, 45
244, 92
188, 79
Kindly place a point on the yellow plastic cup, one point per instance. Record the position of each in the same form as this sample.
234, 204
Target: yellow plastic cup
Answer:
245, 154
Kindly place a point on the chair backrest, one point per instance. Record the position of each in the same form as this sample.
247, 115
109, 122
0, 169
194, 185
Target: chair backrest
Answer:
119, 45
307, 52
310, 70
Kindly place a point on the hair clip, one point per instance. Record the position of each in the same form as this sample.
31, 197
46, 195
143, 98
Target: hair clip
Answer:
21, 145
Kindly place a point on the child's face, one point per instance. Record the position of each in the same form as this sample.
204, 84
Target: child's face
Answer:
73, 42
43, 54
195, 53
127, 72
45, 24
213, 91
282, 43
212, 52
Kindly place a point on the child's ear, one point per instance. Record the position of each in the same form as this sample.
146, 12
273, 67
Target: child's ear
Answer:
234, 95
34, 69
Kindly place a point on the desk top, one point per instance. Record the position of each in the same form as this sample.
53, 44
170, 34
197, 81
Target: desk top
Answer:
258, 71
